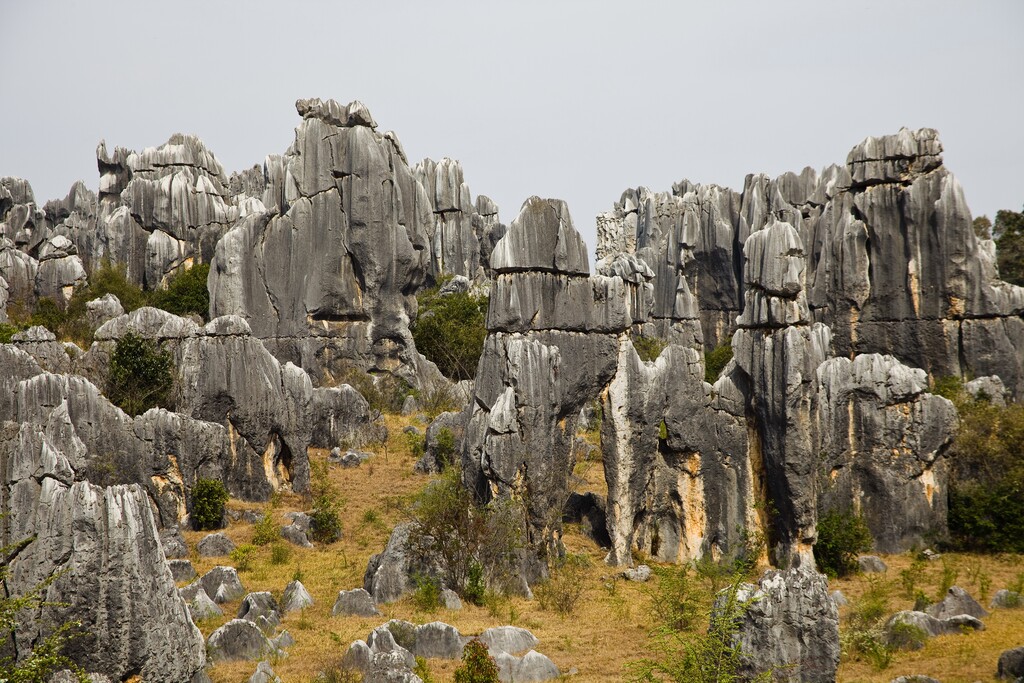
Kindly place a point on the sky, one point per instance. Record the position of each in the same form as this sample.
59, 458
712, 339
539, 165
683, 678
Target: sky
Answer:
575, 100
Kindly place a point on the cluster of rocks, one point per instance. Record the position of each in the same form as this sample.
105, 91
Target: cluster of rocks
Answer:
693, 468
389, 652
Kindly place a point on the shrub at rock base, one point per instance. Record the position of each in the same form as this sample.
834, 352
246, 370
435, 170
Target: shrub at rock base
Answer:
140, 375
208, 499
841, 538
477, 665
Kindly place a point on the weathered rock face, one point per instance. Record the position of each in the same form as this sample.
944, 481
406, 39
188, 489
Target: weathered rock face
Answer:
103, 545
537, 371
463, 232
882, 438
892, 263
790, 626
226, 376
326, 275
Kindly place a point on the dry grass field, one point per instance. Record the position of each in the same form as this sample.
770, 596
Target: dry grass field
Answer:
612, 621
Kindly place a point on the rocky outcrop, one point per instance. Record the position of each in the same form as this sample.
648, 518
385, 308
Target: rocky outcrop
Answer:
789, 626
892, 263
538, 369
102, 545
882, 438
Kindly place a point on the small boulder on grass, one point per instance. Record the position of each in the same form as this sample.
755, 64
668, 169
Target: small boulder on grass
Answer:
510, 639
296, 597
238, 640
871, 564
957, 601
215, 545
355, 602
1007, 599
264, 674
222, 584
203, 607
1011, 664
261, 609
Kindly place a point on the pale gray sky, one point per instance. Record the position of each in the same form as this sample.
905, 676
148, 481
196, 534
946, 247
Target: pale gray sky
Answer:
577, 100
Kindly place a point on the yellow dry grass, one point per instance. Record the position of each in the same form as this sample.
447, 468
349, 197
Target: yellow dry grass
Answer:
609, 627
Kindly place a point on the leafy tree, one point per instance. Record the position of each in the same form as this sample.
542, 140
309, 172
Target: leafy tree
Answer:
841, 538
1009, 228
982, 227
450, 331
648, 348
477, 665
208, 499
325, 516
140, 375
186, 293
450, 526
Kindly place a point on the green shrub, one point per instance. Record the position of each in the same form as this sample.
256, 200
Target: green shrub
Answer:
440, 399
444, 446
242, 557
7, 331
903, 636
384, 392
208, 499
427, 596
325, 526
986, 489
422, 669
280, 553
864, 636
476, 587
564, 588
265, 530
417, 444
477, 665
450, 331
948, 386
451, 528
648, 348
49, 314
715, 361
841, 538
186, 293
140, 375
109, 278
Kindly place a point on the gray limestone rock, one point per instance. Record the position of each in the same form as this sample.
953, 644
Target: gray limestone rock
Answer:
990, 388
357, 602
443, 441
264, 674
182, 570
296, 535
99, 311
790, 625
1011, 664
884, 439
222, 584
438, 640
838, 598
957, 601
910, 629
173, 543
639, 574
390, 667
871, 564
510, 639
450, 599
534, 667
1007, 599
238, 640
95, 541
42, 345
389, 574
296, 597
382, 640
260, 608
357, 657
914, 679
215, 545
340, 415
201, 607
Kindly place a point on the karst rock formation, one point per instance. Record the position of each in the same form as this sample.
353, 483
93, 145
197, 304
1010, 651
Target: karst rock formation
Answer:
842, 293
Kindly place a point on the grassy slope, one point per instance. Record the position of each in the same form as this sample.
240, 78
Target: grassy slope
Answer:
608, 628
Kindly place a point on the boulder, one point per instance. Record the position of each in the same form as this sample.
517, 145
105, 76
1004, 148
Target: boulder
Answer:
296, 535
222, 584
357, 657
1011, 664
99, 311
450, 599
438, 640
957, 601
510, 639
238, 640
182, 570
534, 667
260, 608
201, 607
173, 543
1007, 599
264, 674
357, 602
389, 574
215, 545
640, 573
790, 625
296, 597
871, 564
910, 629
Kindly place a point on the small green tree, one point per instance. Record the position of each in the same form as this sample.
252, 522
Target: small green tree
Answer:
450, 331
841, 538
1009, 227
648, 348
208, 499
325, 515
477, 665
186, 292
140, 375
715, 361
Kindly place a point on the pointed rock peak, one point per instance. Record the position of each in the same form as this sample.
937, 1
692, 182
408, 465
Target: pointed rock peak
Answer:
542, 238
354, 114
